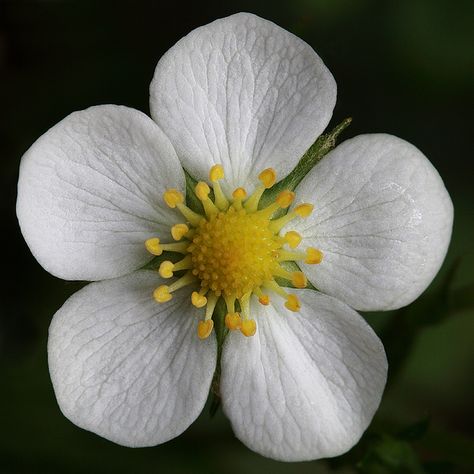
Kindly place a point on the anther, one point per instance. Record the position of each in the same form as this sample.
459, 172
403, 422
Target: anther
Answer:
153, 246
292, 303
285, 198
198, 299
162, 294
238, 195
233, 321
204, 328
178, 231
216, 173
299, 279
248, 327
303, 210
293, 239
202, 190
264, 299
166, 269
313, 256
173, 197
267, 177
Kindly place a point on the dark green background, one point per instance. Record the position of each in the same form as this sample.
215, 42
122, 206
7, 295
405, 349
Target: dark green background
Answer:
403, 67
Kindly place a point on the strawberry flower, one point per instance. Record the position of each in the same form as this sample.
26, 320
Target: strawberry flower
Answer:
132, 355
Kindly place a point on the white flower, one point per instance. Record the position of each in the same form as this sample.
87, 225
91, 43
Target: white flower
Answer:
245, 94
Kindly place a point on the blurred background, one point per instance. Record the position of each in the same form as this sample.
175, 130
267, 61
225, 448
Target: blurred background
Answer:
404, 67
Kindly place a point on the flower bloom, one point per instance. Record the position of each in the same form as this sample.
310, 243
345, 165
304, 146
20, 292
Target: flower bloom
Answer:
236, 103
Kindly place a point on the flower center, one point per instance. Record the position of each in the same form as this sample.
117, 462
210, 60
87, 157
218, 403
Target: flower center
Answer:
234, 251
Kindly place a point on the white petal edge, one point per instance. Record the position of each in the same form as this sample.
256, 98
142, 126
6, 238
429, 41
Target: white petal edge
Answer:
307, 385
382, 218
90, 192
127, 368
244, 93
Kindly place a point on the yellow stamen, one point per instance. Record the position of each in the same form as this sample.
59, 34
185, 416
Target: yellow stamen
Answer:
249, 327
179, 247
216, 173
198, 299
267, 177
313, 256
233, 251
233, 321
204, 328
173, 197
211, 304
293, 303
299, 279
245, 305
202, 190
178, 231
293, 239
287, 256
303, 210
264, 299
191, 216
162, 294
166, 269
153, 246
285, 198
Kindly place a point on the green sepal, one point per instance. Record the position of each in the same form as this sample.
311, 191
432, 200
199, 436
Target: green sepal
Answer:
221, 332
324, 144
191, 199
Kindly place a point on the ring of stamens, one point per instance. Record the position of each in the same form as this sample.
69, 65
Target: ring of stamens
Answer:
234, 251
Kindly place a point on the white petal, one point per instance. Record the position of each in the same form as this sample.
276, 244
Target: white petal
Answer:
242, 92
90, 192
128, 368
307, 384
382, 219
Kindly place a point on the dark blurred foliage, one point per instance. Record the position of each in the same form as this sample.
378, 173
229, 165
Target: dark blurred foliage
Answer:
404, 67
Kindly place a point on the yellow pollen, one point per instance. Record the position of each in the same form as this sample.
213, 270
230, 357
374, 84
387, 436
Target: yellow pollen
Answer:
304, 210
248, 327
285, 198
234, 251
173, 197
198, 300
292, 303
264, 299
202, 190
162, 294
267, 177
299, 279
239, 193
205, 328
233, 321
216, 173
313, 256
153, 246
166, 269
293, 239
178, 231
